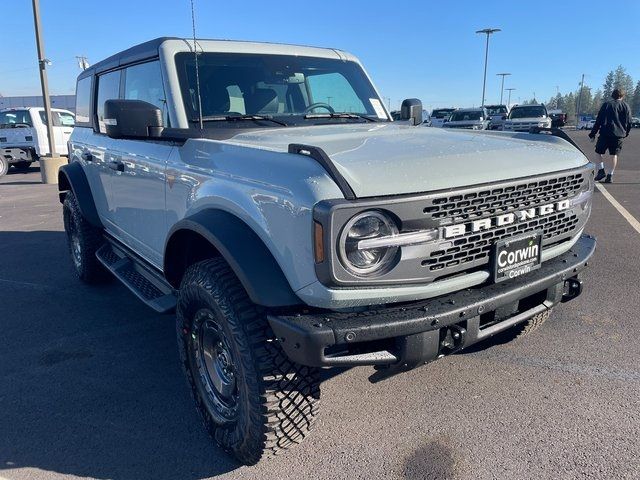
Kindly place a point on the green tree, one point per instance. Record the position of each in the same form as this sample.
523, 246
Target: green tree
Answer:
585, 99
623, 80
635, 100
596, 103
608, 85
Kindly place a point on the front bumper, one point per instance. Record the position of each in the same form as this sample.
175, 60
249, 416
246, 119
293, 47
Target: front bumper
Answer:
18, 154
410, 334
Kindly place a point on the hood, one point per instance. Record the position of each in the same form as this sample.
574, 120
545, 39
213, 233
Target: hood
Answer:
391, 159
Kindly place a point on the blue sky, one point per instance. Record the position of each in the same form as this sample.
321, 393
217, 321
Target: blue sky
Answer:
422, 49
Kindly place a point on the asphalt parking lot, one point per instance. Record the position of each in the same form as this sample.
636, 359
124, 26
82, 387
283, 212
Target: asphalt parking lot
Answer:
90, 384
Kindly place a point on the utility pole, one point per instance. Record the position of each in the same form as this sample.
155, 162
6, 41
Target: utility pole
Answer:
488, 32
509, 90
83, 62
502, 87
579, 101
42, 63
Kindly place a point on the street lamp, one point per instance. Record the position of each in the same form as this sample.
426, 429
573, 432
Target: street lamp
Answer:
509, 90
502, 87
487, 32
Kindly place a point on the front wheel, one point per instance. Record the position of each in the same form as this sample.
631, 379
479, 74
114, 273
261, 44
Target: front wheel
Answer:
253, 400
4, 166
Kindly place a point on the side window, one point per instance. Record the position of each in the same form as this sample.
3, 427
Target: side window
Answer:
144, 82
83, 101
108, 89
334, 89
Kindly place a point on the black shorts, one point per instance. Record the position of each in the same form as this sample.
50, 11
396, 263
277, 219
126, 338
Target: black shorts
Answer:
613, 144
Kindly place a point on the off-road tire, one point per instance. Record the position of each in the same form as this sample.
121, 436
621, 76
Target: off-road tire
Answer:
4, 166
277, 400
22, 166
524, 328
83, 240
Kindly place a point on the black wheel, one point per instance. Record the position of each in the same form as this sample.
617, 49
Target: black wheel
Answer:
253, 400
22, 166
84, 240
4, 166
524, 328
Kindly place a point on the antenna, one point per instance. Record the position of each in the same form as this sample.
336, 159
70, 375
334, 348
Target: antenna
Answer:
195, 53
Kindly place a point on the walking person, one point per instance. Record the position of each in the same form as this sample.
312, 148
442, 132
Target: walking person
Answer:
613, 123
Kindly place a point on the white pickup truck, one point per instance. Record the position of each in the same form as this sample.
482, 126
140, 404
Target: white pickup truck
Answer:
23, 135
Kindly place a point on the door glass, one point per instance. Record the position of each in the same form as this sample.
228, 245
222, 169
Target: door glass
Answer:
83, 99
144, 82
108, 89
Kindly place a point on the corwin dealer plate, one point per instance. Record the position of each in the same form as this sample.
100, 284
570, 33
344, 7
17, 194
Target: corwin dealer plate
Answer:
516, 256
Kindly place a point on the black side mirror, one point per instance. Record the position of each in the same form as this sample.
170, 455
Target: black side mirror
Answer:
132, 119
411, 109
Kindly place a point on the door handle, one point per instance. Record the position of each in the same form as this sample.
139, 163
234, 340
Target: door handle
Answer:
116, 165
86, 156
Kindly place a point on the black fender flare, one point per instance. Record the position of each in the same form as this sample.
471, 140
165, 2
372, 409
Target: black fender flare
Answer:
242, 249
72, 177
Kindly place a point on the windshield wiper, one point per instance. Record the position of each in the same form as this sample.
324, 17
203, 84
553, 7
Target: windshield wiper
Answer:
235, 118
339, 115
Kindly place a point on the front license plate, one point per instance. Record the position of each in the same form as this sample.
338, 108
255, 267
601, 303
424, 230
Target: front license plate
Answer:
516, 256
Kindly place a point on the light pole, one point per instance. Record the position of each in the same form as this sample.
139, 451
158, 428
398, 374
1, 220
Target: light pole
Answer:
42, 64
502, 87
509, 90
487, 32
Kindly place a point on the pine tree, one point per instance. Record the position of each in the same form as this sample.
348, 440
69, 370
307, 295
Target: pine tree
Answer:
635, 100
623, 80
608, 85
596, 103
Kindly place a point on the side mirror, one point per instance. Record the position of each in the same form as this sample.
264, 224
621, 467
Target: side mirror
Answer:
132, 119
411, 109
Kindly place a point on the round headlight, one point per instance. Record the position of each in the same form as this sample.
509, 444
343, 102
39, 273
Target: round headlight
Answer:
355, 256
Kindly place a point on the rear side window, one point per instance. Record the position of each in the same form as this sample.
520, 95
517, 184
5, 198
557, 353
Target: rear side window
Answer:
60, 119
144, 82
108, 89
83, 102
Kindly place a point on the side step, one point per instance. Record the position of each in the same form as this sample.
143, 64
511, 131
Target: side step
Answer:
143, 281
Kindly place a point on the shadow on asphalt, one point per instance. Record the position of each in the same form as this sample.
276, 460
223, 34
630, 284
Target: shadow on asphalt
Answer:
90, 383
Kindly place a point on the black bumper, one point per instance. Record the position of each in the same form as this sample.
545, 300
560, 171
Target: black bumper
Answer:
411, 334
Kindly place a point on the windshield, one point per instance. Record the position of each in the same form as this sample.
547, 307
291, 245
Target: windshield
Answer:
528, 112
496, 109
466, 116
442, 113
277, 86
13, 117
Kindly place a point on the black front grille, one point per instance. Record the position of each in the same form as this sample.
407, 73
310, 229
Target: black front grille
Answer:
489, 202
474, 248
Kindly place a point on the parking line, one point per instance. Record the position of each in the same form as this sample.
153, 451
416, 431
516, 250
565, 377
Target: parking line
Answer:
623, 211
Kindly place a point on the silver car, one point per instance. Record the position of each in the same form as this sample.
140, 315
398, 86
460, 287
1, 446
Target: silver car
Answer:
468, 118
263, 194
522, 118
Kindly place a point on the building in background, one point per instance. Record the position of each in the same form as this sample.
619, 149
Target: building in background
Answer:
66, 102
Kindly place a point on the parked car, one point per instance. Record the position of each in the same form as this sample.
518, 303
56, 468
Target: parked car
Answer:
440, 116
291, 234
635, 122
497, 116
558, 118
524, 117
23, 135
589, 125
584, 121
469, 118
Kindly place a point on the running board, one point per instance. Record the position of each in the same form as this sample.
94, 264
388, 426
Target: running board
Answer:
143, 281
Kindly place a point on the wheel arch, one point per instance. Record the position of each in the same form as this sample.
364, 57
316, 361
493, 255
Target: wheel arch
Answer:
214, 232
71, 177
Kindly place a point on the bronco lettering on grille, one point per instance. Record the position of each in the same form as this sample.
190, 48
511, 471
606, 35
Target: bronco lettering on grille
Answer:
451, 231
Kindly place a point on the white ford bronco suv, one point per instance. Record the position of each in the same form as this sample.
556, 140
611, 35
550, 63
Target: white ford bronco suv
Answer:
262, 192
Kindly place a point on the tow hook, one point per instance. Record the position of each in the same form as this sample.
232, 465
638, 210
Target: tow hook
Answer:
453, 339
572, 288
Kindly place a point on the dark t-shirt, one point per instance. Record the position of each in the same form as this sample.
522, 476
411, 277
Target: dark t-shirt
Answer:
614, 119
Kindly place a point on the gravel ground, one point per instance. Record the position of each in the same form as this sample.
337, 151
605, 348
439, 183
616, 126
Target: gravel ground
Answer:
90, 384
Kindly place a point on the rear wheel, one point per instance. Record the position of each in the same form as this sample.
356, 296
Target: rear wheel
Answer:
83, 240
253, 400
